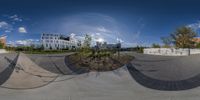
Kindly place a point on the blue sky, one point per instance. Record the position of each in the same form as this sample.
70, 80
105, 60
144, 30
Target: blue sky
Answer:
134, 22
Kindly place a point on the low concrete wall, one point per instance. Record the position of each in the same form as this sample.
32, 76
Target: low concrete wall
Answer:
3, 51
171, 51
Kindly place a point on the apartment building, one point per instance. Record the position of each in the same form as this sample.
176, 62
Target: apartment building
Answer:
58, 42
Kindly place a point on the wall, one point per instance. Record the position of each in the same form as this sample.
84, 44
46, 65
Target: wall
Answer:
171, 51
3, 51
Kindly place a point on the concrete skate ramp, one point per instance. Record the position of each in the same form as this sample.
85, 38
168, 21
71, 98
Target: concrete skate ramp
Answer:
27, 75
7, 64
54, 63
5, 60
166, 73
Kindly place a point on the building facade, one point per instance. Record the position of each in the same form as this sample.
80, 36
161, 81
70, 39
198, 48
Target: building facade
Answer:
57, 42
3, 40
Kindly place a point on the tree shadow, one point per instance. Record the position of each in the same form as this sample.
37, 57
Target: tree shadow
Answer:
4, 75
161, 84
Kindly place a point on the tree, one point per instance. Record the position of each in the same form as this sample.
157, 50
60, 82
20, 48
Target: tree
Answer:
166, 41
155, 45
87, 41
1, 45
183, 36
197, 45
42, 47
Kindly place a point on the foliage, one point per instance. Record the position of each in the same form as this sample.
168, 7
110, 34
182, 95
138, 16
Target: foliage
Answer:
166, 41
32, 50
155, 45
87, 41
197, 45
183, 36
1, 45
139, 49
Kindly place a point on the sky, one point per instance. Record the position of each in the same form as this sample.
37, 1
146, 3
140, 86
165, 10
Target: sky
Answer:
133, 22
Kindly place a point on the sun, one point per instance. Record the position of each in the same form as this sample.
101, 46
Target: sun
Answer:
101, 40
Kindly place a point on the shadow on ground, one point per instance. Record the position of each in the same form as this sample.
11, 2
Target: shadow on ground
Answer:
4, 75
52, 63
71, 66
161, 84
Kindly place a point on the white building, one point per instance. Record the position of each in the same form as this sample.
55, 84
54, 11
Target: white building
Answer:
57, 42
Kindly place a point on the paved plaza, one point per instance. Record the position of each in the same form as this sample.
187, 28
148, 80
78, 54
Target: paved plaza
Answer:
147, 77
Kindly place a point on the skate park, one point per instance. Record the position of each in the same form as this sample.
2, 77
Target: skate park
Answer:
24, 76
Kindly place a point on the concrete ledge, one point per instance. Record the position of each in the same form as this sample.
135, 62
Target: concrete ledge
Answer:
3, 51
171, 51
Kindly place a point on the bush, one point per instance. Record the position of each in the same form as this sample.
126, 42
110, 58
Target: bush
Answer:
198, 45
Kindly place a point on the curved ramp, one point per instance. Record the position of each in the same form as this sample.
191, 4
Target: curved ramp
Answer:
5, 74
54, 63
163, 84
27, 75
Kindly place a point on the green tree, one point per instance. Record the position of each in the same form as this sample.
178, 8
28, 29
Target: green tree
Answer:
166, 41
87, 41
197, 45
155, 45
1, 45
182, 37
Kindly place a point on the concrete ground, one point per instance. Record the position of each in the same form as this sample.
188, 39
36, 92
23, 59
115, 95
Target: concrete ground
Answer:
119, 84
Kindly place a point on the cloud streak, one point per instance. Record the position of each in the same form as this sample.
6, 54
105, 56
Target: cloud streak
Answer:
194, 26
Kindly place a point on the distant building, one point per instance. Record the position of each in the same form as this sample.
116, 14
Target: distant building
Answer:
58, 42
3, 40
196, 39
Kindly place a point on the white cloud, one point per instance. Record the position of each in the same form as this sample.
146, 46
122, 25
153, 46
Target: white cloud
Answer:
22, 42
103, 29
120, 40
3, 24
26, 42
195, 26
16, 18
7, 31
22, 30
